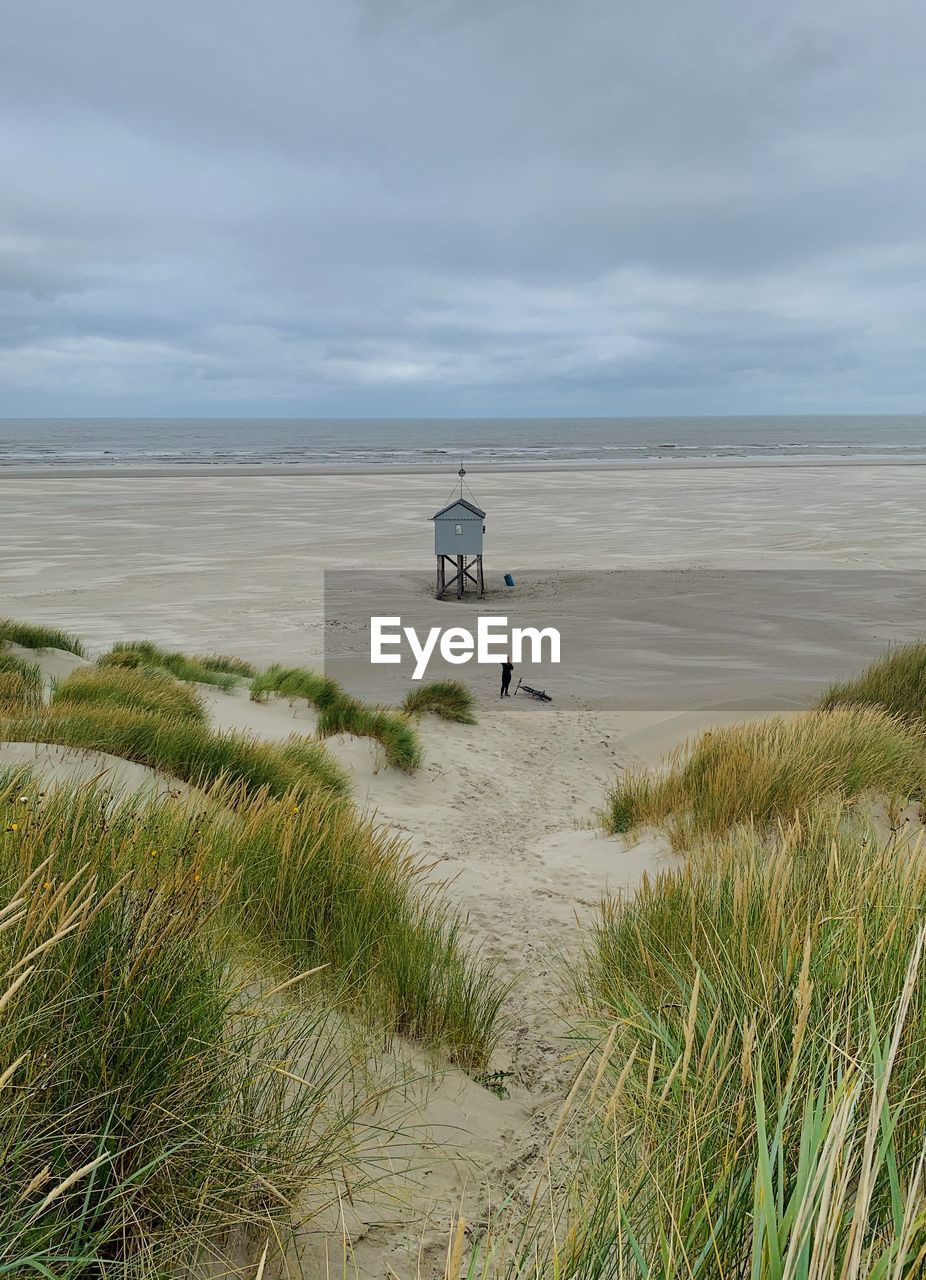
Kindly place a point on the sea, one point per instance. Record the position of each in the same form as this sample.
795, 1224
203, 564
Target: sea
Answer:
345, 444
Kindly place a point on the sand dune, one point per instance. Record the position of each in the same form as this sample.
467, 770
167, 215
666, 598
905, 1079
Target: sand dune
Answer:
504, 817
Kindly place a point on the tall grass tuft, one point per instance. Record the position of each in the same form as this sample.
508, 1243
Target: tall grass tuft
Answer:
154, 1100
200, 670
767, 770
305, 881
185, 749
755, 1104
339, 713
896, 682
32, 635
393, 732
146, 689
320, 884
449, 699
229, 664
21, 687
295, 682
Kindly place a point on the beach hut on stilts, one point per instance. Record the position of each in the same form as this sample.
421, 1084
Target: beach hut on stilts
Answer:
458, 532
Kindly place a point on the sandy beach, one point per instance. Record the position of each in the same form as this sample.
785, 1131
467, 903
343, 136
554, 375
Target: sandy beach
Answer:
503, 812
234, 561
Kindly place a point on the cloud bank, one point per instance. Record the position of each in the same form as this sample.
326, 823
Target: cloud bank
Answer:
429, 207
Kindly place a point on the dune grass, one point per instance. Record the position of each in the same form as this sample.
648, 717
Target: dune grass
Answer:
393, 732
339, 713
763, 1015
145, 689
896, 682
316, 883
21, 687
300, 881
449, 699
319, 884
754, 1101
199, 670
146, 1111
229, 664
185, 749
295, 682
766, 770
32, 635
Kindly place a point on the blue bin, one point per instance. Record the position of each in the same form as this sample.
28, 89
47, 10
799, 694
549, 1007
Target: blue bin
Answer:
509, 579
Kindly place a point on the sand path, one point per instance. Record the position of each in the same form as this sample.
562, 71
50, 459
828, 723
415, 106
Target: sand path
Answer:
503, 814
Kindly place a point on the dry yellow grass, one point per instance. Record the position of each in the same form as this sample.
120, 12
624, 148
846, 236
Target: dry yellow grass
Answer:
768, 770
21, 689
146, 689
754, 1099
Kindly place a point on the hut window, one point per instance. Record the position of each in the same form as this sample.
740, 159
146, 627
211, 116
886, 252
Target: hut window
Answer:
459, 529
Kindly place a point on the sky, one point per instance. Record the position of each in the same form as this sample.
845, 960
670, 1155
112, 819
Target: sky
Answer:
462, 207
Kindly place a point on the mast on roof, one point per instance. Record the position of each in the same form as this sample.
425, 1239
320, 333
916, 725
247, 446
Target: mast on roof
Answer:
458, 532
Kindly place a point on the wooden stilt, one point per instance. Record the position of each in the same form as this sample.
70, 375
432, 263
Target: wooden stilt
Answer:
462, 570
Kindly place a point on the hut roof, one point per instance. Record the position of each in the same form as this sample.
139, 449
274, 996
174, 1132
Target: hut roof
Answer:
460, 502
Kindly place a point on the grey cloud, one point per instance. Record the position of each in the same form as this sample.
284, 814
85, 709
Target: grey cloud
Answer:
403, 206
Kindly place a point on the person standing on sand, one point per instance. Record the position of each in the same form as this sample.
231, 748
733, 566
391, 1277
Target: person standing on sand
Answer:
507, 668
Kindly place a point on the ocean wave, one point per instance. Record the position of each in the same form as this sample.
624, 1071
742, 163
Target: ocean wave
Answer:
110, 444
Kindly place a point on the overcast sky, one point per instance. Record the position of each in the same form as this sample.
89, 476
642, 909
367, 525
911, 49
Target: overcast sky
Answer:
418, 207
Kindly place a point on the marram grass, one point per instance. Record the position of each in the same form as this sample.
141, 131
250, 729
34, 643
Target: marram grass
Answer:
767, 770
754, 1102
21, 686
448, 699
146, 1109
32, 635
219, 671
184, 749
304, 881
339, 713
318, 883
293, 683
145, 689
397, 737
229, 664
896, 682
